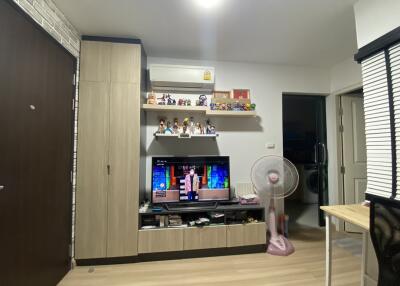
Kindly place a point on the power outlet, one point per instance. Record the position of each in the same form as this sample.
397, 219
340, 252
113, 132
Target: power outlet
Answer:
270, 145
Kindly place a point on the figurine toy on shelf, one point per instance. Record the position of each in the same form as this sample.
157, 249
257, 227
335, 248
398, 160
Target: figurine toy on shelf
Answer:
191, 125
151, 98
253, 107
202, 100
170, 100
181, 102
198, 129
161, 127
168, 130
162, 100
185, 126
210, 129
175, 127
188, 102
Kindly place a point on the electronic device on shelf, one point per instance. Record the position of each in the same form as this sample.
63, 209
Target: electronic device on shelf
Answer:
229, 203
191, 206
200, 179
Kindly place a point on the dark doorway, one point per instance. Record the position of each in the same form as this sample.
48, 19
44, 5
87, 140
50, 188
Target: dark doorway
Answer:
36, 123
304, 144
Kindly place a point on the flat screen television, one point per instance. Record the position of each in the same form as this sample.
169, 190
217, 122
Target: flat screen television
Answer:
190, 179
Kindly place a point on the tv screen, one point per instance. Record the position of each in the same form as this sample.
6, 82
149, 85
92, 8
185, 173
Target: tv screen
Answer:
185, 179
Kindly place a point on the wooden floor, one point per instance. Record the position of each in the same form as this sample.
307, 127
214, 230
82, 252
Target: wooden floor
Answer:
305, 267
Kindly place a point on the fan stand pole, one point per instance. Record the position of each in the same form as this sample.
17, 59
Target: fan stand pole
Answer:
278, 244
272, 220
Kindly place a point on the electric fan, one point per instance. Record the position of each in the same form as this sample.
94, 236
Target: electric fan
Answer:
275, 177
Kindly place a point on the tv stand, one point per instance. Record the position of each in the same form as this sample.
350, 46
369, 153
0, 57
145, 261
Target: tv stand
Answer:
191, 206
233, 229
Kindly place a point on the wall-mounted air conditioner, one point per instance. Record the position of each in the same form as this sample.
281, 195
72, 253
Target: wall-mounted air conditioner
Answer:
184, 79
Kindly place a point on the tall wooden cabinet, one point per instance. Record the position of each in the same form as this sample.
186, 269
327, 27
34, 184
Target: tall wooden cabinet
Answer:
109, 124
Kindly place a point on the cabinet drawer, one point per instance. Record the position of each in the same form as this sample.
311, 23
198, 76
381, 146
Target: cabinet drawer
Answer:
160, 240
205, 237
246, 234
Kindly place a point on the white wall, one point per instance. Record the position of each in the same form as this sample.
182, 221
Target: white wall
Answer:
243, 139
375, 18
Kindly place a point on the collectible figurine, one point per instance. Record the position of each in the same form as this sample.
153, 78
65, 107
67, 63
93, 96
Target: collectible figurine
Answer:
248, 107
168, 130
175, 128
185, 125
188, 102
151, 98
210, 129
212, 106
181, 101
217, 106
223, 106
253, 106
198, 130
162, 100
229, 107
236, 106
191, 126
202, 100
170, 100
161, 127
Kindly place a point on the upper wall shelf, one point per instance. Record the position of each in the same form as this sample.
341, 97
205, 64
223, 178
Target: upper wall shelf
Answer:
202, 109
155, 107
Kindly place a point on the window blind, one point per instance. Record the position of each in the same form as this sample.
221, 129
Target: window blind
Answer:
394, 63
378, 126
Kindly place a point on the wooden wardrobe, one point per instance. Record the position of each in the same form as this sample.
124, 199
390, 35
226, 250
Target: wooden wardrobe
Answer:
109, 156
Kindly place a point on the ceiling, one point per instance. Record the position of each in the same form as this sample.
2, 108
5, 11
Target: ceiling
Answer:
316, 33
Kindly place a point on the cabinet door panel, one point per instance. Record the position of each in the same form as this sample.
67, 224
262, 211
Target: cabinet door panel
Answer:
235, 235
125, 63
92, 179
160, 240
205, 237
255, 233
246, 234
95, 61
124, 154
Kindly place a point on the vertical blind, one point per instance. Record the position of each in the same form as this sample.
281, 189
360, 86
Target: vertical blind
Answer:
381, 84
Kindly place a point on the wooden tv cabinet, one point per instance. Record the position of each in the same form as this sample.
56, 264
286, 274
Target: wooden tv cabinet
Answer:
231, 236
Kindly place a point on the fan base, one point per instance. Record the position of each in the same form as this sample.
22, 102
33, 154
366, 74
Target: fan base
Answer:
280, 246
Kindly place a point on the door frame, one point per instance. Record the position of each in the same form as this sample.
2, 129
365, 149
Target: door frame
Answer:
339, 180
74, 109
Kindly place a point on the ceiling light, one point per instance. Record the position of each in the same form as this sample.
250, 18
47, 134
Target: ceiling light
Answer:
208, 3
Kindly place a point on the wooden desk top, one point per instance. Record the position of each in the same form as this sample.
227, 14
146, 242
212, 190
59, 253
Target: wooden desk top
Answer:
354, 214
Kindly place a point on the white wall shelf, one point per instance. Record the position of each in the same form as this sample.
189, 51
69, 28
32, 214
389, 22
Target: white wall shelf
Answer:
202, 109
231, 113
155, 107
192, 136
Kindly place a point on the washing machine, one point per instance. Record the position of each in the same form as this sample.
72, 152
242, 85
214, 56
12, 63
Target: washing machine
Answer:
310, 180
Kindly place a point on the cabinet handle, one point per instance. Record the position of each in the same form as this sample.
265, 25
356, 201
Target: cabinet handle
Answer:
108, 169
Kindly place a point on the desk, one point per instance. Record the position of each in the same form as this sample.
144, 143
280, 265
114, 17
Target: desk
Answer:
354, 214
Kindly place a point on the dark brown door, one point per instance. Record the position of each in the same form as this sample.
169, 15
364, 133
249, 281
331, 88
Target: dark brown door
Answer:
36, 116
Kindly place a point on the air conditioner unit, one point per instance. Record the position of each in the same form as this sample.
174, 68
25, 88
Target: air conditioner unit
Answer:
185, 79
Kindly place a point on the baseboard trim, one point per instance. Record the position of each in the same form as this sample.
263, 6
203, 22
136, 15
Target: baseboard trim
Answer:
160, 256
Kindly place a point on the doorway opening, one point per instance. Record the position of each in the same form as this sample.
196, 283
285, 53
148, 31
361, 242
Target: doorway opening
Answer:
304, 144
